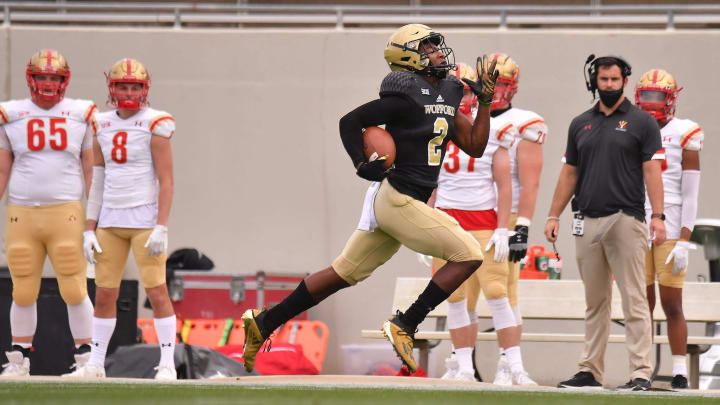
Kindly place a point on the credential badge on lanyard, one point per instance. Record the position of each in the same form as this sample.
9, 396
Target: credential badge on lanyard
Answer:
578, 227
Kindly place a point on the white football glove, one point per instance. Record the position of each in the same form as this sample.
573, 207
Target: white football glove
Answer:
90, 242
500, 240
680, 254
158, 241
425, 259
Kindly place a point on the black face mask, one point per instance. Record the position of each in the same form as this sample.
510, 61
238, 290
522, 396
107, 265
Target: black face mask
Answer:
610, 97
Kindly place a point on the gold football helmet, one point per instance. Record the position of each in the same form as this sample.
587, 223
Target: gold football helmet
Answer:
402, 51
128, 70
509, 73
469, 100
656, 92
47, 62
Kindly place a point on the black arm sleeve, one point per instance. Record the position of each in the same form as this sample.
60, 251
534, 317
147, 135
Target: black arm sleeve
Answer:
385, 110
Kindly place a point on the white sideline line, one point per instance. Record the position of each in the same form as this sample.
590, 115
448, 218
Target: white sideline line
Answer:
350, 382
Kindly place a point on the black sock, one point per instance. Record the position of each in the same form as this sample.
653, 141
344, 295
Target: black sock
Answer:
294, 304
426, 302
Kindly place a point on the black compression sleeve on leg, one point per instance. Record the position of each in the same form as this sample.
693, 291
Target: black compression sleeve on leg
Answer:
298, 301
386, 110
426, 302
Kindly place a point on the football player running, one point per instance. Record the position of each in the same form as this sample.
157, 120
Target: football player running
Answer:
525, 166
467, 192
129, 204
418, 104
46, 154
682, 140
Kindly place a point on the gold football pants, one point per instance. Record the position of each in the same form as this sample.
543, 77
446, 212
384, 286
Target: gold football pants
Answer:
655, 266
33, 232
403, 220
115, 244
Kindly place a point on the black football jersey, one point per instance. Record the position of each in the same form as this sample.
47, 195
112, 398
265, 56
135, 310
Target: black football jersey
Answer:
421, 138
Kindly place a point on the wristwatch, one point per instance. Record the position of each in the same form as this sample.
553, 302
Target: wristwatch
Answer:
661, 216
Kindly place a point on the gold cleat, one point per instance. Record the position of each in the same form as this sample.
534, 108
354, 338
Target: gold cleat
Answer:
253, 338
402, 341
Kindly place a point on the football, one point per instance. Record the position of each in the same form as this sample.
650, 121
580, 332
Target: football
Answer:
378, 142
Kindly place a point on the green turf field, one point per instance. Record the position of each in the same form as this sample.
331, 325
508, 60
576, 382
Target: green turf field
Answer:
125, 394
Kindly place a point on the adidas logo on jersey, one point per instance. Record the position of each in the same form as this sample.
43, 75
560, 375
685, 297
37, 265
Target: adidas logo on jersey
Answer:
440, 99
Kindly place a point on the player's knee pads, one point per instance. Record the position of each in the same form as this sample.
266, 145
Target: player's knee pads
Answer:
67, 259
20, 260
457, 316
502, 314
494, 289
73, 290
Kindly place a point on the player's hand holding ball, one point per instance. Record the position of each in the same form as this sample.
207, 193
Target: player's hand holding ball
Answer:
379, 148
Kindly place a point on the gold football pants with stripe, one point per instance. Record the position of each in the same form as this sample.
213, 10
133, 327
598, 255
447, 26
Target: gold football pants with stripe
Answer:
403, 220
115, 244
34, 232
491, 277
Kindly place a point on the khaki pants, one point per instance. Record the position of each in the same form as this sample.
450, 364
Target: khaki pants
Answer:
116, 244
615, 245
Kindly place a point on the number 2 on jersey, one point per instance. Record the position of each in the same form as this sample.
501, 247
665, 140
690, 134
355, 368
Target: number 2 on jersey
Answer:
119, 152
434, 152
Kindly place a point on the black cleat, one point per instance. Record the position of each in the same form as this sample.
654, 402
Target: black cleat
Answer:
581, 380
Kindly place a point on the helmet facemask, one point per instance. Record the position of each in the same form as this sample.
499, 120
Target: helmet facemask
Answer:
51, 63
128, 71
437, 42
656, 93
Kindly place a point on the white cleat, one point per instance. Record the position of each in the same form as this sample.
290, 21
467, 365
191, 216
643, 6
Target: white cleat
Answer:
503, 375
522, 378
17, 365
166, 373
87, 370
451, 364
465, 375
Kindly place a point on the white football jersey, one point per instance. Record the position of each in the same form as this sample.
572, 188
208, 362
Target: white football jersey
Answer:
530, 127
466, 183
46, 146
130, 179
677, 135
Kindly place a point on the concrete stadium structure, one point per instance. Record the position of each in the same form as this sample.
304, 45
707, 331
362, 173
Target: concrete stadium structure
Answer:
262, 180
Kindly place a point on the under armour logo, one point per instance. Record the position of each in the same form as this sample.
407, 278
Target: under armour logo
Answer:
23, 113
66, 113
13, 219
165, 344
138, 123
96, 344
104, 124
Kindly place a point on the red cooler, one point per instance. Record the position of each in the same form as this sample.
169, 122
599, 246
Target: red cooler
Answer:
208, 295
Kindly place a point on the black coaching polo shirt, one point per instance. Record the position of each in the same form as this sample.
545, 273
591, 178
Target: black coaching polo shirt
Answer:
609, 153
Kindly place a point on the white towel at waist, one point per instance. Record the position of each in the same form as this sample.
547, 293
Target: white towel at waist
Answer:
367, 219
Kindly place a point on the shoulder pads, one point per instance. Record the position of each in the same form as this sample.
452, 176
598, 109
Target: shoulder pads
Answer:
398, 82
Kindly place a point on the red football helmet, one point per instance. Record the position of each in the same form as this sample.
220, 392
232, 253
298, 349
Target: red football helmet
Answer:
47, 62
128, 70
509, 73
656, 93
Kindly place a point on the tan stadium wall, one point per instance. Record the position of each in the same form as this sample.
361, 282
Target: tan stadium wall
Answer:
263, 182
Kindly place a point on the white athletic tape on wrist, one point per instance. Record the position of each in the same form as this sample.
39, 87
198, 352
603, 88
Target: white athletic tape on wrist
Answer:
522, 221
